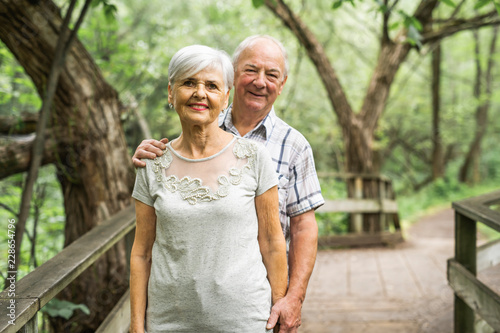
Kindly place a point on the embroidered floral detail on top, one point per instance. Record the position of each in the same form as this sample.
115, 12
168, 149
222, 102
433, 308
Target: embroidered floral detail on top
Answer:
192, 189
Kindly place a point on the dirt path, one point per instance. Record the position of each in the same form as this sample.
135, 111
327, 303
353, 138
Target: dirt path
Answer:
402, 289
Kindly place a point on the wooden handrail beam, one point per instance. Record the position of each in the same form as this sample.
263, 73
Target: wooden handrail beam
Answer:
359, 206
37, 288
472, 296
474, 293
477, 209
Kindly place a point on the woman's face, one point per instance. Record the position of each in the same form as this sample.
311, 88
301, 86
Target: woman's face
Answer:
199, 99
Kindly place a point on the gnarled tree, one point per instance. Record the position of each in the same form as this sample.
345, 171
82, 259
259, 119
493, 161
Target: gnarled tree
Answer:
93, 166
358, 128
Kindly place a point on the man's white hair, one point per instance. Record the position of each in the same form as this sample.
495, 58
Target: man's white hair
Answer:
250, 41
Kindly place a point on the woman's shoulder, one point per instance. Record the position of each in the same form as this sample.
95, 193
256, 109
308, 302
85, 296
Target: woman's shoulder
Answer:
246, 148
160, 162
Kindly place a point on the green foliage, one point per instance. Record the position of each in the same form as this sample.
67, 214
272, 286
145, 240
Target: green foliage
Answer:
449, 3
64, 309
257, 3
438, 195
109, 10
332, 223
51, 219
481, 3
338, 3
17, 92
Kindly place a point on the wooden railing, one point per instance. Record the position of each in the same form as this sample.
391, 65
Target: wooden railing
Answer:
384, 205
31, 293
471, 295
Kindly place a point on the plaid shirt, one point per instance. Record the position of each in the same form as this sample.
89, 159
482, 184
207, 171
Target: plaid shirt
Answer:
298, 184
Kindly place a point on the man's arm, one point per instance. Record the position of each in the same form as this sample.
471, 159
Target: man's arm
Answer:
301, 259
150, 148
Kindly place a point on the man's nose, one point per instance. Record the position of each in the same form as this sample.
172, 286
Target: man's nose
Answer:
260, 80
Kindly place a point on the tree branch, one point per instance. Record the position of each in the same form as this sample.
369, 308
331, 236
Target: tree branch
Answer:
391, 56
460, 25
318, 56
62, 47
385, 23
25, 124
15, 154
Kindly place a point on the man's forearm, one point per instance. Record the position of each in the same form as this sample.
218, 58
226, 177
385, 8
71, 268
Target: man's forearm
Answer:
302, 253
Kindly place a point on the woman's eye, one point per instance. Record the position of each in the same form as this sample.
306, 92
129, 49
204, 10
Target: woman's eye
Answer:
189, 84
212, 86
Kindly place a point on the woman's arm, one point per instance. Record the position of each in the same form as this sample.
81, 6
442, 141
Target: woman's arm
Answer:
272, 242
140, 264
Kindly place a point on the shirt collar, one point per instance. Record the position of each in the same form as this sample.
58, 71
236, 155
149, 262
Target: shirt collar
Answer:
226, 122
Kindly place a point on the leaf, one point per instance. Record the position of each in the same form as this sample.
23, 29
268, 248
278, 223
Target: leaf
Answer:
64, 309
497, 6
257, 3
337, 4
382, 7
449, 3
481, 3
110, 12
394, 25
95, 3
416, 23
414, 36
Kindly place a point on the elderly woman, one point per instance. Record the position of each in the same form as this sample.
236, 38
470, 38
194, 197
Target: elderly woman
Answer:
209, 253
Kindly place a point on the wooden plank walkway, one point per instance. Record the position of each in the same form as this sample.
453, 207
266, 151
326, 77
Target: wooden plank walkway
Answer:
383, 290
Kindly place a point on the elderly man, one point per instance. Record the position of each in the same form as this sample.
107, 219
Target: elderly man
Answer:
261, 67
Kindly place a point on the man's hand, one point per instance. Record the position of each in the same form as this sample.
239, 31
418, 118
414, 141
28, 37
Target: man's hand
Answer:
287, 310
148, 149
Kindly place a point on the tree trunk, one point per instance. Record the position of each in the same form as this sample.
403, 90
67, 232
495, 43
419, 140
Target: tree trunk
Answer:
483, 96
437, 146
93, 166
357, 129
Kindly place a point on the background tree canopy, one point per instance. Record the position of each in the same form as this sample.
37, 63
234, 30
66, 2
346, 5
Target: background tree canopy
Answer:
132, 42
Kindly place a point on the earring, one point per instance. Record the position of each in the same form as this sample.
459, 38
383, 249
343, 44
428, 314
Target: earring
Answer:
170, 105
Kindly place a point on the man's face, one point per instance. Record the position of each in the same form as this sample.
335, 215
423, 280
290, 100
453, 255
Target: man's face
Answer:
259, 77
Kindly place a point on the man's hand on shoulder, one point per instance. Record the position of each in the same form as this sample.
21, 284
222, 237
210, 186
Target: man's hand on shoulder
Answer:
149, 148
288, 311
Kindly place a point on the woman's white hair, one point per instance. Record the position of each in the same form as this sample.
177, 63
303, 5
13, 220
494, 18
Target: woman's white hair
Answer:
250, 41
194, 58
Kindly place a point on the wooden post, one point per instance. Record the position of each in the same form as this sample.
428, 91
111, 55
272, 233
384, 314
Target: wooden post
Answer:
31, 326
357, 219
382, 197
129, 241
465, 254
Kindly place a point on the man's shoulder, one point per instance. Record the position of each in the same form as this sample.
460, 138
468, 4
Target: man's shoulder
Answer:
287, 134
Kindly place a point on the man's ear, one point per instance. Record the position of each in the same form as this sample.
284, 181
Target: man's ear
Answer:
282, 85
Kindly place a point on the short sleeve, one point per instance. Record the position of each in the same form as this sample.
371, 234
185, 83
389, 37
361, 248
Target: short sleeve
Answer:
304, 191
141, 188
266, 175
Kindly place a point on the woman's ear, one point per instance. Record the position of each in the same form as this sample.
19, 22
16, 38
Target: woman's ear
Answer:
226, 103
170, 99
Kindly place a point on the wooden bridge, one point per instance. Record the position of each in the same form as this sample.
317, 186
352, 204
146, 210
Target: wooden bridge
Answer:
410, 287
